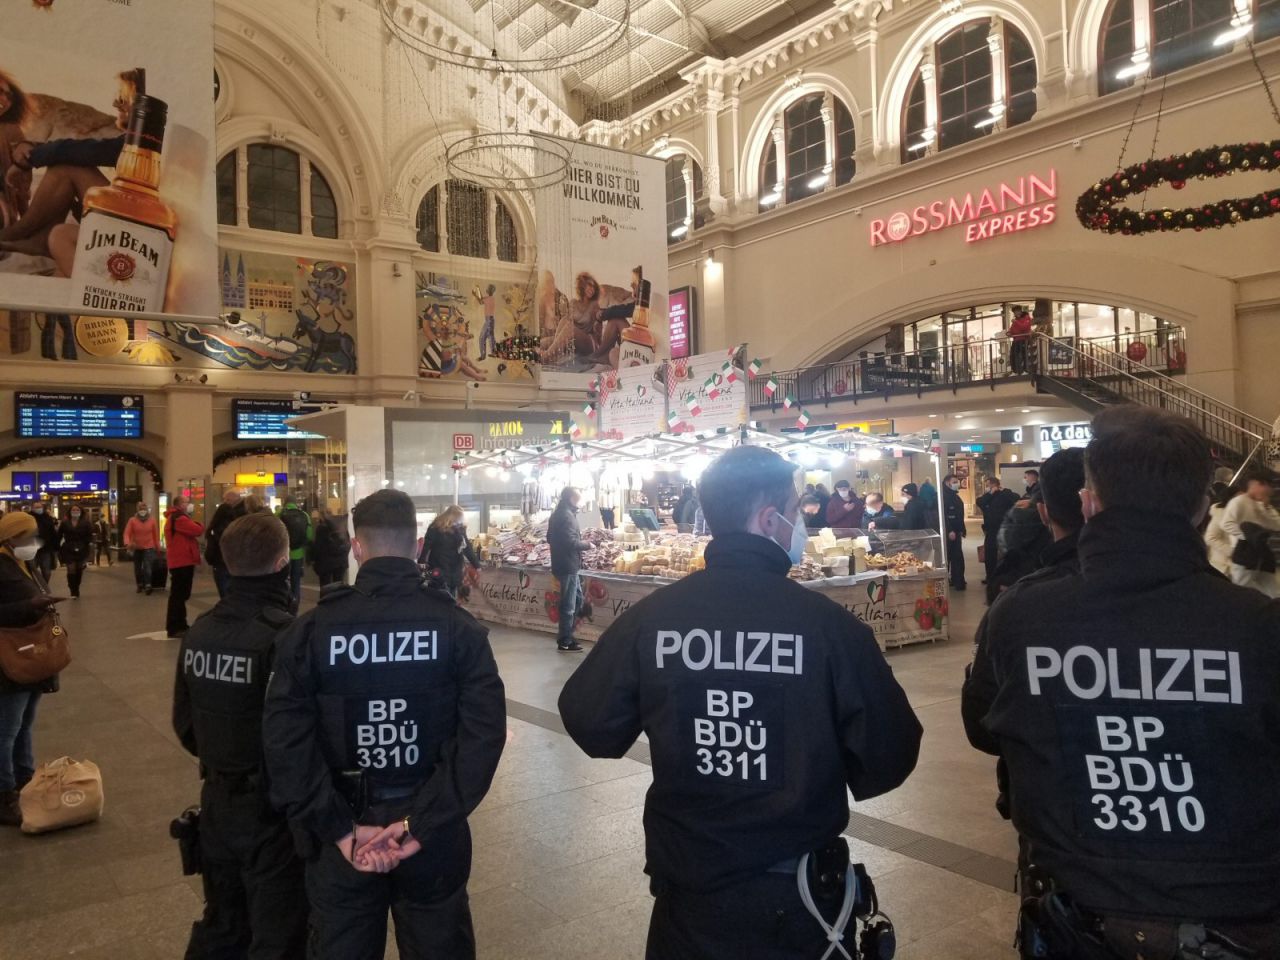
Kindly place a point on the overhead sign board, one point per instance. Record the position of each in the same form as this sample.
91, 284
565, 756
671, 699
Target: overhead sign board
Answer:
78, 416
73, 481
257, 419
262, 479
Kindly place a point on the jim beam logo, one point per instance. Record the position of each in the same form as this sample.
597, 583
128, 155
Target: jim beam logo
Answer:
604, 224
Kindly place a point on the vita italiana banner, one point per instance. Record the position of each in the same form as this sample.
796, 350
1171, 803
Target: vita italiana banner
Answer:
107, 155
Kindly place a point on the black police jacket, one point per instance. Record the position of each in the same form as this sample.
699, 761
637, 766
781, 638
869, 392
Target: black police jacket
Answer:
762, 700
1135, 704
994, 506
223, 666
392, 679
1060, 560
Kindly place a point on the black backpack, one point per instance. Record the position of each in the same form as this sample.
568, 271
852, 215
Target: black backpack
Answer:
296, 522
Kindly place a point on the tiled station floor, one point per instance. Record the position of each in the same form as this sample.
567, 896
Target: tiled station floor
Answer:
558, 869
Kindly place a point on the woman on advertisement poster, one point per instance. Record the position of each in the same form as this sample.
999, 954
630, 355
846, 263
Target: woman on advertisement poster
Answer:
591, 324
70, 166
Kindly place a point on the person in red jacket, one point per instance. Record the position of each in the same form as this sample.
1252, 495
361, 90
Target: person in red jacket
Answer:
1020, 335
180, 533
844, 510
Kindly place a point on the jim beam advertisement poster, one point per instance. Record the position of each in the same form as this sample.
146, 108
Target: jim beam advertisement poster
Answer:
107, 148
602, 266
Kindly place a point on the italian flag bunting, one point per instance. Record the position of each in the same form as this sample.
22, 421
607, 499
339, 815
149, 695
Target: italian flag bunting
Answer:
673, 420
754, 368
729, 371
770, 387
802, 421
589, 410
694, 408
788, 402
712, 388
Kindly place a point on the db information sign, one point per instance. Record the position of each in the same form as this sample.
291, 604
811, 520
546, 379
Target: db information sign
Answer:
464, 441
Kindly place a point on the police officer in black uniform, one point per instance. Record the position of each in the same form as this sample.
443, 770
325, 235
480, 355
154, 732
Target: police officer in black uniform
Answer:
255, 906
953, 512
1135, 704
763, 701
384, 722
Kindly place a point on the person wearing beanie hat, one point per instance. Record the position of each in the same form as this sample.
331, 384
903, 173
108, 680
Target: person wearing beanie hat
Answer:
24, 598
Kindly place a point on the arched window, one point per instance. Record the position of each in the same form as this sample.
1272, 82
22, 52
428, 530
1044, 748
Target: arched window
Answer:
979, 77
683, 173
1182, 33
505, 226
815, 139
225, 178
472, 216
284, 191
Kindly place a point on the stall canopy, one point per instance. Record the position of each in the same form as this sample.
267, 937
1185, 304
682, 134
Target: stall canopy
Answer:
821, 446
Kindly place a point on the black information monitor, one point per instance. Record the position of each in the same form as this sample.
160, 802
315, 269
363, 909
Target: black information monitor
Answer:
265, 419
644, 519
78, 415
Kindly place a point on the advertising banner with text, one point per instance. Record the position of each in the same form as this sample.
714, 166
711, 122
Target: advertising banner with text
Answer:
704, 393
633, 402
107, 149
601, 246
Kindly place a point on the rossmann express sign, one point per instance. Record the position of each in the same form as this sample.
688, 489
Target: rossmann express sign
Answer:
1028, 202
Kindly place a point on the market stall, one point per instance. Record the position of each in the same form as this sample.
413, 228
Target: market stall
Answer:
893, 580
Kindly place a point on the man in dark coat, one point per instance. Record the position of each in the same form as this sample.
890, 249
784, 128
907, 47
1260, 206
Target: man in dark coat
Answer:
994, 504
953, 508
567, 546
231, 508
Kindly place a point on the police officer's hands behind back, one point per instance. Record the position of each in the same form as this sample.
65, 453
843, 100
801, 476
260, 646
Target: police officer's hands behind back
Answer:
373, 849
379, 849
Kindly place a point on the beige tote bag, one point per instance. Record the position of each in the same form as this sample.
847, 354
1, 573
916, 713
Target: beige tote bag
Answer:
63, 793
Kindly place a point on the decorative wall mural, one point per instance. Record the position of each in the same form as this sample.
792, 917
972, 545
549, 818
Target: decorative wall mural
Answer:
475, 329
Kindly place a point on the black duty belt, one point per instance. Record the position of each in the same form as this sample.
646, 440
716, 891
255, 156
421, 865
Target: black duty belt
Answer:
382, 794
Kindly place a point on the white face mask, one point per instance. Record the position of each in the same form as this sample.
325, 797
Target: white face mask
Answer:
844, 494
799, 539
75, 516
954, 486
28, 552
191, 508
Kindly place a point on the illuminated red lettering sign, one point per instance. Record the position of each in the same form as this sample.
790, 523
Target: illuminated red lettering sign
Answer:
1010, 208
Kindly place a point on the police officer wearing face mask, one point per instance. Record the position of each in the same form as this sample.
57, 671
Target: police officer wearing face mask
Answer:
763, 701
255, 904
1135, 704
384, 722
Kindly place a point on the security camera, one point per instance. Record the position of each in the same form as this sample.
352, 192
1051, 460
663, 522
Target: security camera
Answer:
475, 384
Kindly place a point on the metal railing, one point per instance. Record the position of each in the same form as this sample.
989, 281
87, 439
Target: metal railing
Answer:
1092, 368
973, 363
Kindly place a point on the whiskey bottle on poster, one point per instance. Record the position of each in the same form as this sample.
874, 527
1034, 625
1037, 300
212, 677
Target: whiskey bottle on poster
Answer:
638, 343
126, 235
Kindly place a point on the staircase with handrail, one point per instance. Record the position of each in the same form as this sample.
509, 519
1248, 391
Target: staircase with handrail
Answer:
1088, 375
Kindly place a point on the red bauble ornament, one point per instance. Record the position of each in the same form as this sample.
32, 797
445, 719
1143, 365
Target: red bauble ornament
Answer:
1136, 351
1177, 184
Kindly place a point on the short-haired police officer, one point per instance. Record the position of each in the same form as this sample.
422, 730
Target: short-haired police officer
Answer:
1135, 704
255, 905
762, 701
385, 719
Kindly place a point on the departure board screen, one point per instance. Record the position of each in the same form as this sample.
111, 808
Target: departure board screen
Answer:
78, 415
265, 419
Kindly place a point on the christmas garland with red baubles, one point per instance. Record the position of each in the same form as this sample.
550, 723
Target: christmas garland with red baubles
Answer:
1097, 207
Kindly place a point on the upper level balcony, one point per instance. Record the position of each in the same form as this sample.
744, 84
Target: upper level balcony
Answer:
975, 363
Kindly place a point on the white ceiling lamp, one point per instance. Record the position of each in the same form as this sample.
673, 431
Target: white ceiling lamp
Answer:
819, 181
680, 231
1141, 63
1241, 27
